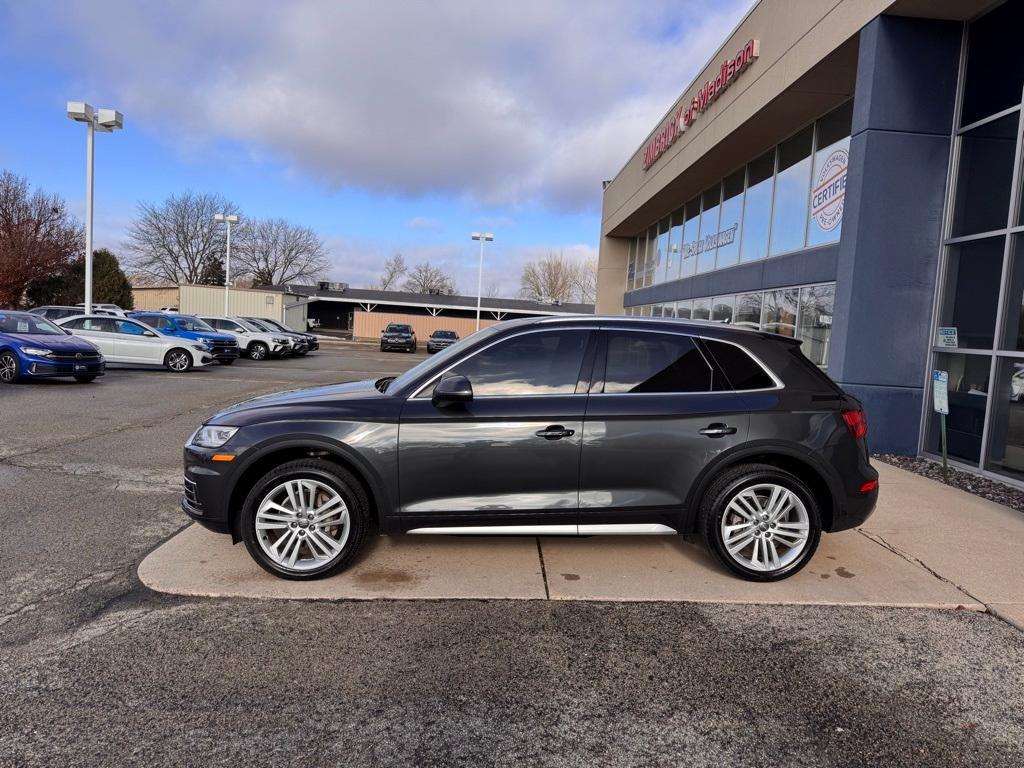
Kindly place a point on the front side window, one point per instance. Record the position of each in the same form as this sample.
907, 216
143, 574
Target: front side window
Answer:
104, 324
647, 363
542, 363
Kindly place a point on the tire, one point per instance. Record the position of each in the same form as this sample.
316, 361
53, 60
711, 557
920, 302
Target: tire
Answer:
796, 526
304, 561
382, 348
85, 379
258, 351
10, 369
413, 350
178, 360
227, 361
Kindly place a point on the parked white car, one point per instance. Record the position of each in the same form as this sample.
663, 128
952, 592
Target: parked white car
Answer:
256, 344
104, 309
122, 340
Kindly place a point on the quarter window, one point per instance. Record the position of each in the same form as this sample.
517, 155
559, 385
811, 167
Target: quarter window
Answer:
543, 363
741, 370
645, 363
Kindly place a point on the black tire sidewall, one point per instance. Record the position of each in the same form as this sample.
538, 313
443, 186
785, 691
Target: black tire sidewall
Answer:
325, 473
733, 483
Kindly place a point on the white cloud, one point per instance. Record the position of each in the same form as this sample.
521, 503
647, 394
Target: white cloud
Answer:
423, 223
512, 103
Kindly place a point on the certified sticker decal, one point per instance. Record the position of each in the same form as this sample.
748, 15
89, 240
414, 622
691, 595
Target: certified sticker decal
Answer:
829, 191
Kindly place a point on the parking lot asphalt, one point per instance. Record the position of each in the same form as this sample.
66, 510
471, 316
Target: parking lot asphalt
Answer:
96, 669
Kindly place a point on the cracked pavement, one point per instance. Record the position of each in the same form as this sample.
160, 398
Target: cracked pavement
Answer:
95, 669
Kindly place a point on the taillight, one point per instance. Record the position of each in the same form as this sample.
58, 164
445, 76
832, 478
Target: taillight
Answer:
856, 422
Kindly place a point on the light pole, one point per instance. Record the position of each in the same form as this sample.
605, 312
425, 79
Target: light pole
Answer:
229, 219
483, 237
104, 121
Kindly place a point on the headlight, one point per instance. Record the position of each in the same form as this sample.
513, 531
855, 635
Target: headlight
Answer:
37, 351
277, 340
201, 347
212, 437
204, 341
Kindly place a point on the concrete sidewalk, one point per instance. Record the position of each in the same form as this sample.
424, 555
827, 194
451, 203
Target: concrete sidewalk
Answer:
927, 545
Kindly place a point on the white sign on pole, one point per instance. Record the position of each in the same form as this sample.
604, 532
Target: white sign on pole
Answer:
946, 337
940, 392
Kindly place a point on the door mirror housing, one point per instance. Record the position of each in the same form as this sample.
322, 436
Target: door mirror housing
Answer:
452, 389
150, 334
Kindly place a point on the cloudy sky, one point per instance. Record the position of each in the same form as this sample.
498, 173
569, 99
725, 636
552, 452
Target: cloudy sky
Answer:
386, 126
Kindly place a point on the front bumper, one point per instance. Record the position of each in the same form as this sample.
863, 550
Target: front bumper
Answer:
42, 367
226, 352
431, 347
397, 343
207, 488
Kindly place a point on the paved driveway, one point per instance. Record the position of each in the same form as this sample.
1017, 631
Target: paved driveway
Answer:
97, 669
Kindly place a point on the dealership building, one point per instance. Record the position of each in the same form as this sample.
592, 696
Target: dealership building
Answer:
849, 173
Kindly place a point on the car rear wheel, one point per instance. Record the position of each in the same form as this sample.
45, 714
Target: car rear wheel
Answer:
9, 370
178, 360
258, 351
760, 522
306, 519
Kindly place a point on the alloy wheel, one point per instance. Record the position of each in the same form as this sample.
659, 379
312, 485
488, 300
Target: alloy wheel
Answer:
8, 368
258, 352
302, 524
178, 361
765, 527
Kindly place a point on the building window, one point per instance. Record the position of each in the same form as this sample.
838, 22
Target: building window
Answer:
985, 175
722, 309
757, 209
691, 236
973, 273
1006, 439
701, 309
707, 242
968, 398
778, 311
748, 310
662, 251
792, 188
814, 324
995, 76
651, 266
684, 309
730, 220
828, 178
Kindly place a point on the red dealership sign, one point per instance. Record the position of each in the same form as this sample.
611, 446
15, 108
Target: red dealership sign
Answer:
684, 116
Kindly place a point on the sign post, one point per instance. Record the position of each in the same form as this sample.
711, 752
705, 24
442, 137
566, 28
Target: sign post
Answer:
940, 403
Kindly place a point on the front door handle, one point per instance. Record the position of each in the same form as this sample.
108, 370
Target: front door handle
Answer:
555, 432
718, 430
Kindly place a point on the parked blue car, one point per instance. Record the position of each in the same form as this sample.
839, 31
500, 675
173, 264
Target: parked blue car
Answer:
222, 348
32, 347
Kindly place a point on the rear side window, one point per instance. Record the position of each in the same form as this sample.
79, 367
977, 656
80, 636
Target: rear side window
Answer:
646, 363
740, 369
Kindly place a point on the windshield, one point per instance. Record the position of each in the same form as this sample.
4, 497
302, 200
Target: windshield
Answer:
398, 328
440, 360
248, 325
444, 335
25, 322
278, 326
191, 324
260, 324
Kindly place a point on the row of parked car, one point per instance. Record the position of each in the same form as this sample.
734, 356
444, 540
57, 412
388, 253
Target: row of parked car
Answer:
64, 342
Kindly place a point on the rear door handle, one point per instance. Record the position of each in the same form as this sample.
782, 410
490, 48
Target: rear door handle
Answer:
555, 432
718, 430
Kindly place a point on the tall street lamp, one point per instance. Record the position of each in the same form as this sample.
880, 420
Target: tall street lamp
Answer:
483, 237
104, 121
229, 219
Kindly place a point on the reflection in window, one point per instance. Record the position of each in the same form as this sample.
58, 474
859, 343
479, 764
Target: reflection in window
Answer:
1006, 441
748, 310
973, 273
778, 312
546, 363
691, 237
631, 264
722, 309
729, 220
758, 207
684, 309
828, 179
641, 261
984, 176
792, 187
994, 75
815, 327
968, 396
1013, 326
648, 363
675, 245
662, 251
708, 228
653, 257
701, 309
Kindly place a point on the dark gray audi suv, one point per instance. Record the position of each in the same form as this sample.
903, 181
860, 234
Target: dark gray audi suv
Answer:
572, 425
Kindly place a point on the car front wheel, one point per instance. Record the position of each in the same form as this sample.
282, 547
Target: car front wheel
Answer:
258, 351
760, 522
178, 360
8, 368
305, 519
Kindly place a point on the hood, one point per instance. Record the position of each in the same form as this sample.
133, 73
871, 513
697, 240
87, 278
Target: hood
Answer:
268, 406
49, 341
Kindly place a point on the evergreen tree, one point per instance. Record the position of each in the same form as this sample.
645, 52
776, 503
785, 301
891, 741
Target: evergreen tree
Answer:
213, 271
109, 284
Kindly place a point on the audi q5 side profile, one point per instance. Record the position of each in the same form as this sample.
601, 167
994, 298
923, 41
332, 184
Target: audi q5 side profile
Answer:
575, 425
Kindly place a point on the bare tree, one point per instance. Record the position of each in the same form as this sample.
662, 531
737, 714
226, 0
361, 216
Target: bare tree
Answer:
394, 269
171, 242
492, 289
426, 278
552, 278
38, 237
275, 251
586, 281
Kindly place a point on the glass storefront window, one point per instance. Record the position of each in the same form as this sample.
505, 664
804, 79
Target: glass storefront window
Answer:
973, 273
684, 309
729, 220
653, 257
984, 177
708, 228
758, 207
792, 191
828, 178
1006, 435
691, 237
641, 261
701, 309
1012, 336
968, 396
675, 245
994, 75
631, 264
748, 310
659, 276
778, 311
815, 322
722, 309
